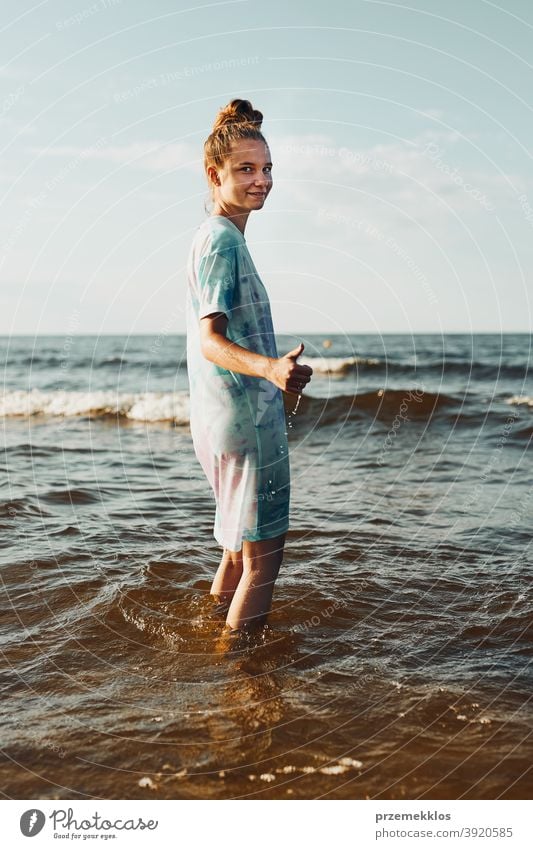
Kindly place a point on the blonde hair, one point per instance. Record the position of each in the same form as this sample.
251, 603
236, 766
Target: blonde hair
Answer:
237, 120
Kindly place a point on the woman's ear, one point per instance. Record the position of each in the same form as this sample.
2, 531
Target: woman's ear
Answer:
213, 176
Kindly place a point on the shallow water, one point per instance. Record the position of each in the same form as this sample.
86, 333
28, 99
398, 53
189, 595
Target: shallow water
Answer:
397, 661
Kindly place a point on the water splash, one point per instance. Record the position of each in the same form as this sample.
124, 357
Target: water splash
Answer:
293, 412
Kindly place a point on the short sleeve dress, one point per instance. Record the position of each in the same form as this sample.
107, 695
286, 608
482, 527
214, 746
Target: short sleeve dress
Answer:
237, 421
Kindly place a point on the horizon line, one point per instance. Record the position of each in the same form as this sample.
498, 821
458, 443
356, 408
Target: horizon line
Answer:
300, 333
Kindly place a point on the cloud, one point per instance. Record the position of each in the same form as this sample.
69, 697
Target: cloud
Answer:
150, 155
424, 176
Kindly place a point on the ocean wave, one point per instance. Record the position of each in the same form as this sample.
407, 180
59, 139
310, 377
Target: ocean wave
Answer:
138, 406
174, 407
336, 365
472, 369
520, 399
340, 366
383, 404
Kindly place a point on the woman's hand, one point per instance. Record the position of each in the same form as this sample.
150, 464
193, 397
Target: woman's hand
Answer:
287, 375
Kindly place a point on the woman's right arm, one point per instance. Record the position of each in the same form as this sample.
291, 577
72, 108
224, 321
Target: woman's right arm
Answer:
284, 372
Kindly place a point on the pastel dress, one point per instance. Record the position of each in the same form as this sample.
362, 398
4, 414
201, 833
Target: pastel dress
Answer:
237, 421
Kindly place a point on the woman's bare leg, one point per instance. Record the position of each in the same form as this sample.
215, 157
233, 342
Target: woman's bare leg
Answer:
253, 596
227, 576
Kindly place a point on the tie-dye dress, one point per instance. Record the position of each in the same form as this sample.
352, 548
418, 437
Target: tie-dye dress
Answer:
237, 422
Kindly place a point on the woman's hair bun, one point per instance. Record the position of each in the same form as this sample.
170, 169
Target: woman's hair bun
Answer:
238, 112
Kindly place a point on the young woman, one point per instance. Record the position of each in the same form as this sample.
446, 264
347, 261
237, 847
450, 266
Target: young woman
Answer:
236, 378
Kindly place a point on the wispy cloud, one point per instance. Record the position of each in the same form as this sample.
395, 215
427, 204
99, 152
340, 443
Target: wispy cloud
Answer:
421, 176
149, 155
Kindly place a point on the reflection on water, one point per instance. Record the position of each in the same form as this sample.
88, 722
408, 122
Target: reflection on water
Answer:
397, 661
150, 682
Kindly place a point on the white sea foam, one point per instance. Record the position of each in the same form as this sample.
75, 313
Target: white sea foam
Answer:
138, 406
335, 365
520, 399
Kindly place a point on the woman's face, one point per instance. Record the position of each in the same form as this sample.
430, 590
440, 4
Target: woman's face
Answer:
246, 179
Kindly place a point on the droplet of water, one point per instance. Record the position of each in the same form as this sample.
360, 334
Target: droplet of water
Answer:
293, 412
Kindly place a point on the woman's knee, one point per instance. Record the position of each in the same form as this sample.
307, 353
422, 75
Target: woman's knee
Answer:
232, 556
236, 558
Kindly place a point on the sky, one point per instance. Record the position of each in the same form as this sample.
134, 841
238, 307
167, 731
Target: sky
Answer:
400, 136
